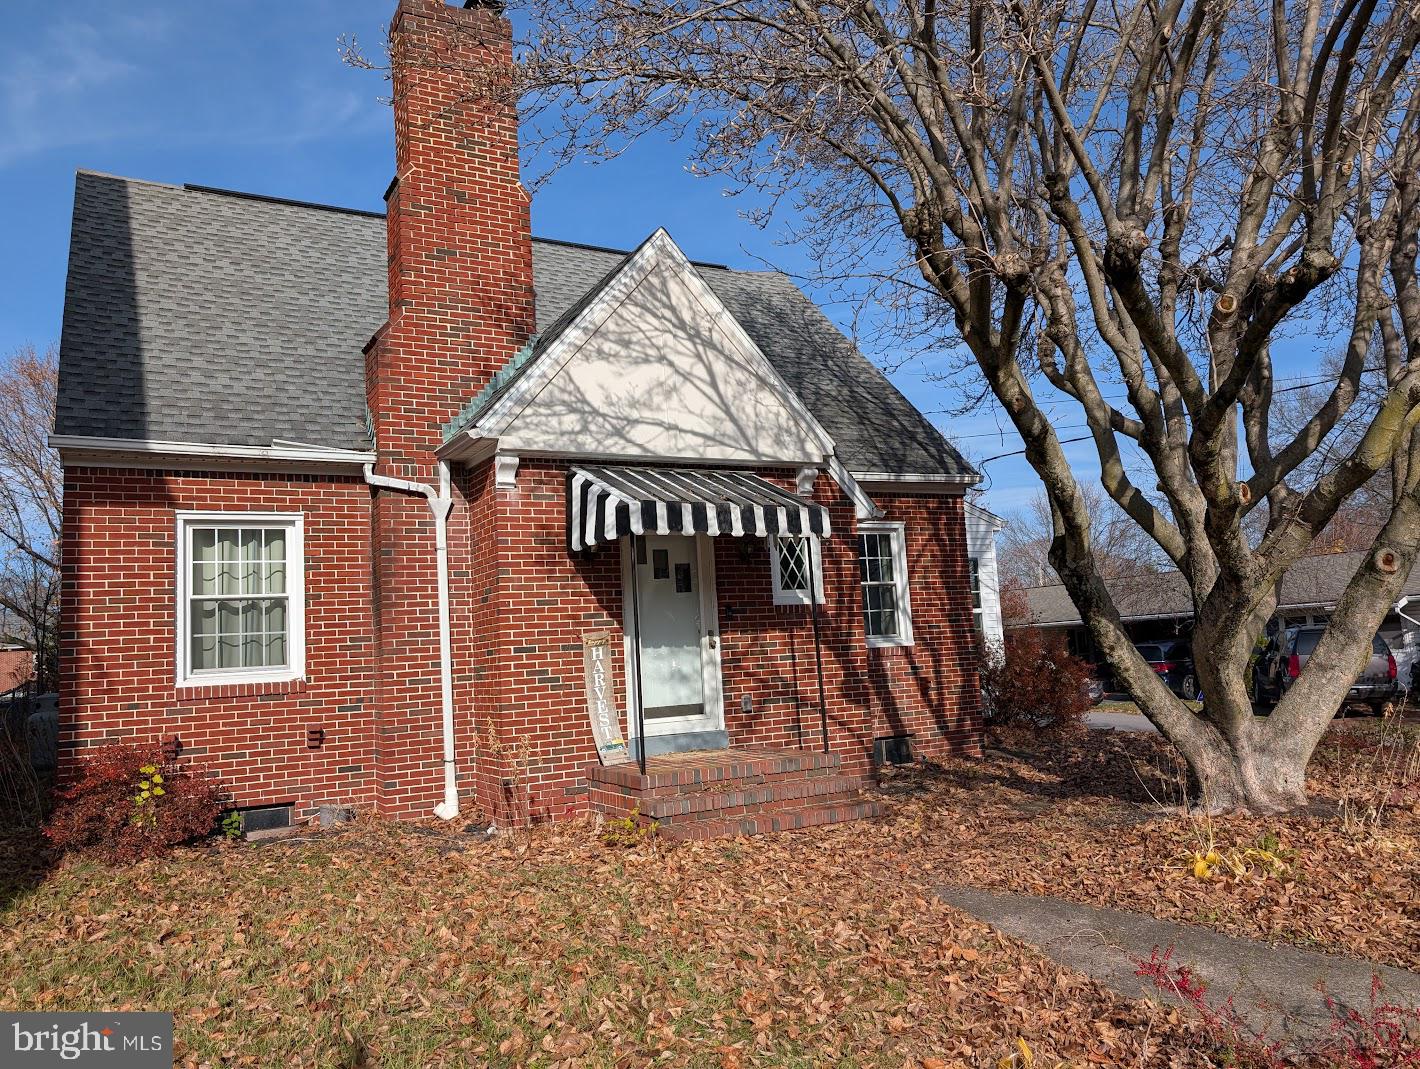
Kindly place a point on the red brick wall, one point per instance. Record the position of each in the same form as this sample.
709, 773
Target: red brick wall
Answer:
118, 636
928, 689
16, 667
521, 606
534, 602
461, 305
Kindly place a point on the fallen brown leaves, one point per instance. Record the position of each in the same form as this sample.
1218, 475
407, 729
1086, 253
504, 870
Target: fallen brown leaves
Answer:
382, 947
378, 947
1083, 822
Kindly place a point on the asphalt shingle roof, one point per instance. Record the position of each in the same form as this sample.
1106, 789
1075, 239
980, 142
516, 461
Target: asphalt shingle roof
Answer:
1311, 582
195, 315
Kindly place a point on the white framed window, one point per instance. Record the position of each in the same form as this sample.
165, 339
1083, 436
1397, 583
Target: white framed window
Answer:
789, 568
882, 559
977, 618
240, 598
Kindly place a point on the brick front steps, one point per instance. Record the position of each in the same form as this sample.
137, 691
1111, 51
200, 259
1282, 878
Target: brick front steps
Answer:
710, 794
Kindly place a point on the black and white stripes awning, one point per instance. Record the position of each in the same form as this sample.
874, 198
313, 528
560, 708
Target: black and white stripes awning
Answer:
605, 504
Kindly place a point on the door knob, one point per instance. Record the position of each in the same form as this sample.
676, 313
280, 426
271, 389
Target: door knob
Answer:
714, 640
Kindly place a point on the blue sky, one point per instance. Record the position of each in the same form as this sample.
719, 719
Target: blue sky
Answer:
253, 96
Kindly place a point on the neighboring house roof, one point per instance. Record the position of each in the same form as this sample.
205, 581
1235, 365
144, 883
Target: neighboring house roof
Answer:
195, 315
1312, 583
985, 516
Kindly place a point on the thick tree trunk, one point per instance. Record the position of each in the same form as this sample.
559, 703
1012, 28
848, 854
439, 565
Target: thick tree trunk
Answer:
1248, 772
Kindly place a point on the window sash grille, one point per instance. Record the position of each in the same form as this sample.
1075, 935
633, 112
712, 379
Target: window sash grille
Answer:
790, 569
240, 602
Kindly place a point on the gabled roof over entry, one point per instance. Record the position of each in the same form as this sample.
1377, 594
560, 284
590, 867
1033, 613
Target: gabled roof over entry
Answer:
649, 365
182, 303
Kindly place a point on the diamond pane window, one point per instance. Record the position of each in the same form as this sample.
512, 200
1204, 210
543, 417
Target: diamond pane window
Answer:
789, 565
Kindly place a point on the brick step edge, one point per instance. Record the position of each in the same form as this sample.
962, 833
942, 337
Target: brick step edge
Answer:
765, 824
818, 790
739, 782
627, 778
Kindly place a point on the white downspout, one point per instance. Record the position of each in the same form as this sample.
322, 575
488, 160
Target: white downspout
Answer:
440, 502
1400, 611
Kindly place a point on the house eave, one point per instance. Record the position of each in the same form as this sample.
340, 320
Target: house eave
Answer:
146, 453
475, 445
915, 483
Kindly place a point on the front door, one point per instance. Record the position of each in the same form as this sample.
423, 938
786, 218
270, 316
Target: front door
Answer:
680, 655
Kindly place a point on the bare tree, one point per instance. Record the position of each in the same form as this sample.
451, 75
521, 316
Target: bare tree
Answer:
1360, 517
31, 483
1132, 194
1120, 547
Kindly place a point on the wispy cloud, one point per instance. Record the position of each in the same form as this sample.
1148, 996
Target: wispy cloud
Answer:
48, 86
310, 111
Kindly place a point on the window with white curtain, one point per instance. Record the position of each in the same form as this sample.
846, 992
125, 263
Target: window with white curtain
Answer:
240, 598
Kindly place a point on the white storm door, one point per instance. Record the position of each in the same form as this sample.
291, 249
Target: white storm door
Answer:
680, 655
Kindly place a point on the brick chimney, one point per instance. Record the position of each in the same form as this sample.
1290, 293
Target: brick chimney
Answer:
461, 305
460, 249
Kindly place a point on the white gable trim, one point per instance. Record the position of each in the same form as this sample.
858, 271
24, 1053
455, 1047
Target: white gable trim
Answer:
657, 249
864, 507
986, 516
881, 482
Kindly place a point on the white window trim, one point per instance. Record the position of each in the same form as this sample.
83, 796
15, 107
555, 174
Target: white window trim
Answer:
898, 539
976, 594
796, 597
295, 598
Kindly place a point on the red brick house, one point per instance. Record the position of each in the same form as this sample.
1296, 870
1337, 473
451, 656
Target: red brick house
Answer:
16, 668
385, 510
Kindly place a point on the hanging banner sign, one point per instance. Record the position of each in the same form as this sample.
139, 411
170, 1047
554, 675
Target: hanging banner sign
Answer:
601, 703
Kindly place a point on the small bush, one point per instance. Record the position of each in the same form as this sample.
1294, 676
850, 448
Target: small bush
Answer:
1380, 1036
130, 802
628, 830
1032, 683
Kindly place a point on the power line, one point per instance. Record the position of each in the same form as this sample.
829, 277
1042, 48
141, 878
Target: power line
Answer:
1021, 452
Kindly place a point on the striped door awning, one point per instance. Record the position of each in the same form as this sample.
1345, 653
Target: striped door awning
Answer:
605, 504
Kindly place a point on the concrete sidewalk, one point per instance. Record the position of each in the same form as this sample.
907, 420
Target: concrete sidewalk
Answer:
1274, 988
1119, 722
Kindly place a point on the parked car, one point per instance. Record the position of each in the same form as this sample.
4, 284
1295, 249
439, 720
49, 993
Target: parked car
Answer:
1283, 658
1094, 688
1173, 661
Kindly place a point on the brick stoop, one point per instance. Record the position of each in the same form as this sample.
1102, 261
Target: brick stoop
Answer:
710, 794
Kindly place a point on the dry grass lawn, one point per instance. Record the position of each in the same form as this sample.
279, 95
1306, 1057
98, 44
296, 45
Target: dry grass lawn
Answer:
396, 946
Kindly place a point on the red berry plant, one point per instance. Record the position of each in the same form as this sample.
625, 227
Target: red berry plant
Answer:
1243, 1045
1383, 1036
132, 802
